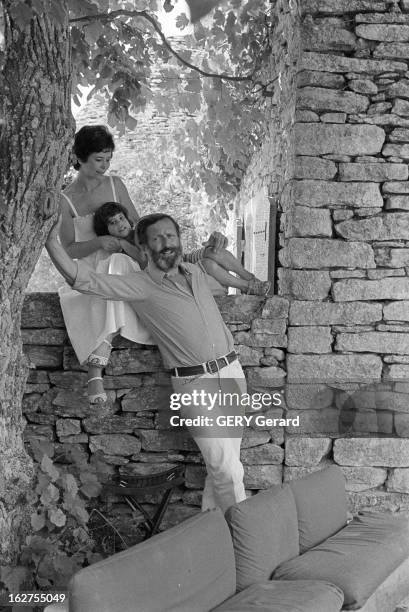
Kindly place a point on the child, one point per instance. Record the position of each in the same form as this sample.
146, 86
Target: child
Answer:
112, 218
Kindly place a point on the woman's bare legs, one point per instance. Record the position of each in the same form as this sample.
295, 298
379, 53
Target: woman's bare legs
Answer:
251, 285
96, 363
228, 261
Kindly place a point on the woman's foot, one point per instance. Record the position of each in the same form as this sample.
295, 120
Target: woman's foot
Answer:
96, 392
258, 287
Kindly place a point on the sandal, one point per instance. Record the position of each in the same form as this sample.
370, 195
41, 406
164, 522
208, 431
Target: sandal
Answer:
258, 287
97, 398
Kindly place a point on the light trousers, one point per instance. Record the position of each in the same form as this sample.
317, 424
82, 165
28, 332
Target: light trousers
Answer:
221, 453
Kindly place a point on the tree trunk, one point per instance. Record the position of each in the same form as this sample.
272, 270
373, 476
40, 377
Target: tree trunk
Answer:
36, 129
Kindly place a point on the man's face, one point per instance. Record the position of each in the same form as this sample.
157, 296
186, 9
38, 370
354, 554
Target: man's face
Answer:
163, 245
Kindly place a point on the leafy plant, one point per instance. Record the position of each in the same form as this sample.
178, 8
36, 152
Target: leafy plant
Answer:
60, 542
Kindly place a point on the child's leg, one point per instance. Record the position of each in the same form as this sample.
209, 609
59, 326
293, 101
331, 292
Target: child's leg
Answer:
228, 261
96, 363
222, 276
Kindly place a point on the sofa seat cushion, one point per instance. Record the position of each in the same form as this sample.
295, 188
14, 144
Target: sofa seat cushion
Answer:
188, 567
321, 505
284, 596
357, 559
264, 531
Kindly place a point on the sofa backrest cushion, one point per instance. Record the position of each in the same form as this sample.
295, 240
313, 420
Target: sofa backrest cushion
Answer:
188, 567
264, 531
321, 505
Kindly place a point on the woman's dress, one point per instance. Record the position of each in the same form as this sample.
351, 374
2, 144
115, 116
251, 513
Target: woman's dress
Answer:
89, 319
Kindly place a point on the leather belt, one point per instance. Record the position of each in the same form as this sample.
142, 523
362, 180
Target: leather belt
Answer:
212, 366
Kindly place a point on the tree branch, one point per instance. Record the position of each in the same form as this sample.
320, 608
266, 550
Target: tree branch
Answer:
106, 17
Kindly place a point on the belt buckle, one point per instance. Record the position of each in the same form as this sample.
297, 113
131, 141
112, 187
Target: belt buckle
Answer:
212, 366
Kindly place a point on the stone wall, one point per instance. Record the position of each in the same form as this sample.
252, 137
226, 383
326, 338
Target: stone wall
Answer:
345, 235
132, 432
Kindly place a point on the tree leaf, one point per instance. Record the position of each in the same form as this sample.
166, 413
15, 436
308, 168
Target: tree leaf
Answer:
37, 521
182, 21
57, 517
49, 468
50, 495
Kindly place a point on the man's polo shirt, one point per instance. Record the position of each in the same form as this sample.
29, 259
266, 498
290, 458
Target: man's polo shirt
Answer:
186, 325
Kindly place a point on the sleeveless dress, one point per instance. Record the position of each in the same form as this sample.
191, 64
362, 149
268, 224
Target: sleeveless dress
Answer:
89, 319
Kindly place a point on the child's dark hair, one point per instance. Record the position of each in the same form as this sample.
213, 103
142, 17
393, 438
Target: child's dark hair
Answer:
103, 215
91, 139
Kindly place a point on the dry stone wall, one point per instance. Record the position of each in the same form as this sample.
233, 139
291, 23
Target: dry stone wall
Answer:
344, 249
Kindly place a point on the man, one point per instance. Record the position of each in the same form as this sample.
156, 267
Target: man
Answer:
174, 301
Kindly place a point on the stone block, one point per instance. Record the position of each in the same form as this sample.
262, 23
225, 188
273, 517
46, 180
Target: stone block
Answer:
81, 438
377, 501
383, 452
306, 221
329, 194
322, 99
68, 427
134, 361
328, 62
397, 203
374, 342
298, 472
308, 396
115, 444
253, 438
240, 309
248, 356
158, 441
266, 377
115, 424
402, 425
384, 32
315, 422
69, 380
400, 107
41, 310
333, 368
309, 339
319, 253
317, 37
262, 476
398, 480
320, 139
329, 7
267, 454
391, 226
397, 371
306, 451
44, 356
275, 308
46, 336
352, 290
395, 187
75, 404
396, 150
358, 313
269, 326
399, 135
372, 172
321, 79
307, 167
304, 284
147, 398
399, 89
396, 311
306, 116
333, 117
363, 86
363, 478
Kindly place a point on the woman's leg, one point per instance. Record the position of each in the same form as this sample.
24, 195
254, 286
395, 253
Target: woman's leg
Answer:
228, 261
96, 363
222, 276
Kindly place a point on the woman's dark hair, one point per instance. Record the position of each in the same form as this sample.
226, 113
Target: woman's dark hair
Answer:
91, 139
104, 214
147, 221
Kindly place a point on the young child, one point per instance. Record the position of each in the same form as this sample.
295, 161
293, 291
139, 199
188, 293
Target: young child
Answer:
112, 218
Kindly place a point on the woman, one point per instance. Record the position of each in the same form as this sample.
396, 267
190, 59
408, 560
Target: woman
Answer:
92, 322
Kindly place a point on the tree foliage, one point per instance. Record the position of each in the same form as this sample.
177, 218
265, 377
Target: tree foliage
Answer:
214, 74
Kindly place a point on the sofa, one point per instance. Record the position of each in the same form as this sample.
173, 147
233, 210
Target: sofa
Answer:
287, 549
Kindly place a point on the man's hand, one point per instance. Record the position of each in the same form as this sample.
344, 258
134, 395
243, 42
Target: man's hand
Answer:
55, 231
216, 242
110, 244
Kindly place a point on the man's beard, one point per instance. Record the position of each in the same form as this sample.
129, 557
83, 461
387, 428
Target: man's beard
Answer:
166, 259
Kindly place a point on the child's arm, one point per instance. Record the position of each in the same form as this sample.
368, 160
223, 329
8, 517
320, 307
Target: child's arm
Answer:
134, 252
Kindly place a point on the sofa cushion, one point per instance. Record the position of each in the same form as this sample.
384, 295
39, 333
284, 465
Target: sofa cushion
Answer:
281, 596
264, 531
357, 559
321, 505
188, 567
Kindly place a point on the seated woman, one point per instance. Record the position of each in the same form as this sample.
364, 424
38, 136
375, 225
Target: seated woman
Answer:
113, 219
92, 322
